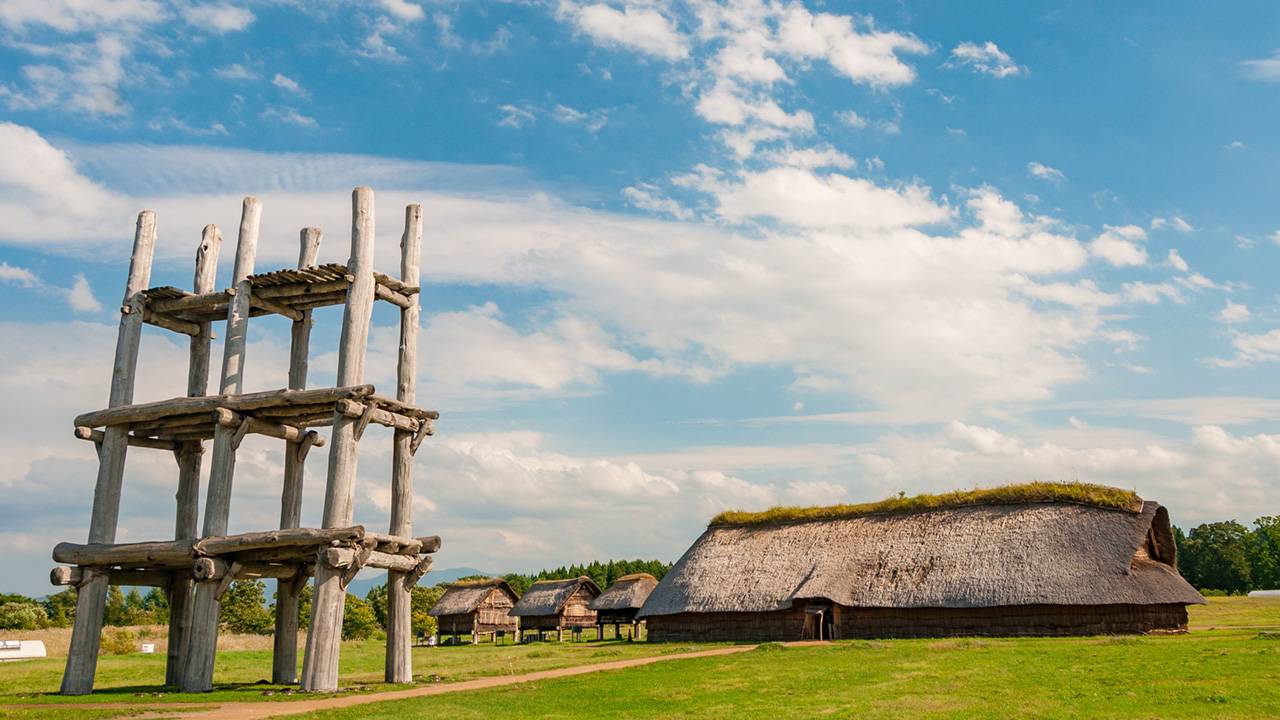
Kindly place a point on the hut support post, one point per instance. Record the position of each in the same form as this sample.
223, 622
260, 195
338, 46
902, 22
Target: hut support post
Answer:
284, 658
91, 599
197, 675
190, 455
399, 661
320, 663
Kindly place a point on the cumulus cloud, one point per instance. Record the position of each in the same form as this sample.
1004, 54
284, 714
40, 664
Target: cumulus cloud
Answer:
1234, 313
1173, 223
218, 17
403, 9
1265, 69
1044, 172
1120, 246
635, 26
986, 58
288, 84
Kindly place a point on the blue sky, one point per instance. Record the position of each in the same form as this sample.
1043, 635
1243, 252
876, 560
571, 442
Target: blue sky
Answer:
680, 256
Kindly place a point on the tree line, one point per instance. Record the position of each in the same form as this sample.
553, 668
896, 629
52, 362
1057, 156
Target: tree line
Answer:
245, 608
1230, 559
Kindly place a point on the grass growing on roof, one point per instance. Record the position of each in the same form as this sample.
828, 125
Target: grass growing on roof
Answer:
1036, 492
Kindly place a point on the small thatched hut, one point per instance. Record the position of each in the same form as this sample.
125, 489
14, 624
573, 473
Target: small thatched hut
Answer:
1035, 559
557, 604
476, 607
619, 604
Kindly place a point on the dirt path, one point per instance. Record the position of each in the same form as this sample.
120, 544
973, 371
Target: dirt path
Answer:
257, 710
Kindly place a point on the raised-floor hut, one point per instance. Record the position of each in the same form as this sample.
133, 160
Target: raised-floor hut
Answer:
1040, 559
199, 563
553, 605
476, 608
618, 605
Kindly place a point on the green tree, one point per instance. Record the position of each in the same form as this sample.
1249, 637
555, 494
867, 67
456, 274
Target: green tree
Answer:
377, 599
304, 605
243, 608
358, 620
25, 615
1215, 557
156, 604
1264, 553
61, 607
423, 599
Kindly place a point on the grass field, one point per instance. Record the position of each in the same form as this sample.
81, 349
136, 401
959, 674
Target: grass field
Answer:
1230, 671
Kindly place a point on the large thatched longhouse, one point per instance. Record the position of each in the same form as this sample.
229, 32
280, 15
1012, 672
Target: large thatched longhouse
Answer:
1039, 559
475, 608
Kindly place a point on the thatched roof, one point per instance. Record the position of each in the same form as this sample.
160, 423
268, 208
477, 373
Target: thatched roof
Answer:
1102, 496
547, 597
626, 593
1056, 553
464, 597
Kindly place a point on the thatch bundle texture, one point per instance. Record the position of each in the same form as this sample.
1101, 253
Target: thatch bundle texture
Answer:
1031, 568
624, 598
556, 604
476, 607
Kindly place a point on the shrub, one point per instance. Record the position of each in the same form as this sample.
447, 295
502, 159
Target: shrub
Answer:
22, 616
242, 609
358, 620
116, 641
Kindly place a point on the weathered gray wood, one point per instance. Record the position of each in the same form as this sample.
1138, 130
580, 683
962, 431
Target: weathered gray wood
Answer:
284, 659
272, 306
343, 557
399, 661
382, 292
320, 664
292, 291
98, 436
82, 656
357, 411
173, 324
143, 578
190, 457
216, 569
197, 675
152, 411
165, 553
221, 545
233, 419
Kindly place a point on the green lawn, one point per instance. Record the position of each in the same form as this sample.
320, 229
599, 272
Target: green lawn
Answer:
1232, 671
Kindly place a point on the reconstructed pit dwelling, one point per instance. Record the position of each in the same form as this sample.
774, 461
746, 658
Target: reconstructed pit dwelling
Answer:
196, 567
1038, 559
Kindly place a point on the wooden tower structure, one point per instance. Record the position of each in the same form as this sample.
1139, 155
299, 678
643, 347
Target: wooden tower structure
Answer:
198, 565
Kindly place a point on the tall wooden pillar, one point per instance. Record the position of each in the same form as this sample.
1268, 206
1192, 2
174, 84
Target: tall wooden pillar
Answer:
399, 668
197, 675
91, 599
320, 664
190, 454
284, 660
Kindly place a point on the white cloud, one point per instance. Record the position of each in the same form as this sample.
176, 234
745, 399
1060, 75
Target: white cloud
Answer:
592, 120
514, 116
80, 296
635, 26
288, 84
18, 275
1120, 246
78, 15
218, 17
1234, 313
1173, 222
649, 197
288, 116
810, 158
986, 58
1265, 69
1251, 350
851, 118
1175, 261
88, 80
235, 71
1044, 172
800, 197
403, 9
866, 57
1235, 145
